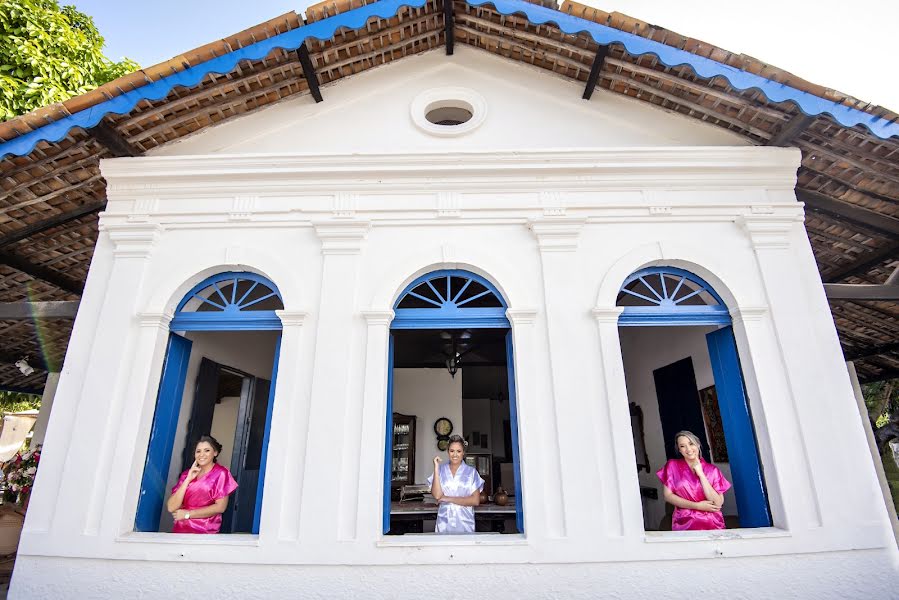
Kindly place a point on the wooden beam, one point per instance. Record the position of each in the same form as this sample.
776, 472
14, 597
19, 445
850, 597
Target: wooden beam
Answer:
867, 262
849, 213
791, 130
309, 72
65, 309
872, 351
43, 273
849, 291
884, 375
595, 69
112, 140
51, 222
449, 26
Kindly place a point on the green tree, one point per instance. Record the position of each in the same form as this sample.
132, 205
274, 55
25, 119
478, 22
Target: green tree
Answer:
11, 402
48, 54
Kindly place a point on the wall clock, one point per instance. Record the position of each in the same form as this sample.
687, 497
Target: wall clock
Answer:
443, 427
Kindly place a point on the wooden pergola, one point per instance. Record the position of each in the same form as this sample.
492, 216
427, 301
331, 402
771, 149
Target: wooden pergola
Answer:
52, 194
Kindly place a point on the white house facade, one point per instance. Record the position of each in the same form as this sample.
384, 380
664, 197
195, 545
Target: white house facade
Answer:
553, 207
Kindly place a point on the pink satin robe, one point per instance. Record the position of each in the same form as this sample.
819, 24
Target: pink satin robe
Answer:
200, 493
678, 477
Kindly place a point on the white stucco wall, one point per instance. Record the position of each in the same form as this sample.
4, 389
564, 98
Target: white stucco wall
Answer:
428, 394
557, 229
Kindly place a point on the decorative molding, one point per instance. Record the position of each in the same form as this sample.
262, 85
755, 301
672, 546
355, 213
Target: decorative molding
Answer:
378, 318
607, 315
660, 211
558, 234
748, 313
345, 205
342, 237
155, 319
551, 201
143, 209
448, 205
769, 231
133, 240
292, 318
521, 316
242, 208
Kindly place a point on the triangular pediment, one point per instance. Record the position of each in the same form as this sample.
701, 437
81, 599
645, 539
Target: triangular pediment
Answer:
522, 108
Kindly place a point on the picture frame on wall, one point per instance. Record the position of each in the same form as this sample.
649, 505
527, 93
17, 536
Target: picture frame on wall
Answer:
711, 416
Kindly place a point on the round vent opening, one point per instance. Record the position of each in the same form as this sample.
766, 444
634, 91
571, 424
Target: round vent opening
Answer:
448, 116
448, 111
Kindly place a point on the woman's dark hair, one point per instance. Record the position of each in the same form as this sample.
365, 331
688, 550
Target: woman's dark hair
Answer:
456, 439
212, 442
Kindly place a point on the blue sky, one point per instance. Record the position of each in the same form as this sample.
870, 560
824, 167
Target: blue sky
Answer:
822, 40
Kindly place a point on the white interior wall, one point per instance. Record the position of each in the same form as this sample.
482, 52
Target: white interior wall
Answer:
224, 424
645, 349
428, 394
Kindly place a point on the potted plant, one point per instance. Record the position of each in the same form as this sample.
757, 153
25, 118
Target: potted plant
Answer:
18, 481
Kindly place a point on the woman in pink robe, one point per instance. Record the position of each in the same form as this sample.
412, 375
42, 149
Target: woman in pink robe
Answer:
693, 486
201, 494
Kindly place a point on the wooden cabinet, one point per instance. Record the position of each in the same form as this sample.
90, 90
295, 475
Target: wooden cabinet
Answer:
403, 453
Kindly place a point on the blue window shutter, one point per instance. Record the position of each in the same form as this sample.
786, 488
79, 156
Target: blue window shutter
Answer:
257, 514
513, 425
742, 450
162, 436
388, 450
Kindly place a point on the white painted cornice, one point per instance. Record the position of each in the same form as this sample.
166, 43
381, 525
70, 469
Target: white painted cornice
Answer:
521, 316
608, 168
748, 313
341, 236
378, 318
770, 230
159, 320
607, 315
292, 318
557, 234
132, 240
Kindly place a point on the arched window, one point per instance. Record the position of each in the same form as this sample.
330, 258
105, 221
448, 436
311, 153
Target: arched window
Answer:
696, 384
224, 341
451, 371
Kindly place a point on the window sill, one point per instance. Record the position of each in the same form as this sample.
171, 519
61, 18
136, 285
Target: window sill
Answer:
655, 537
421, 540
193, 539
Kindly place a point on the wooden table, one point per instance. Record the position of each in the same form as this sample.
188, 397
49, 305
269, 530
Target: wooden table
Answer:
407, 517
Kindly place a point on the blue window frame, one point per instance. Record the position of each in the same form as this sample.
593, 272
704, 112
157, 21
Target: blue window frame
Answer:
668, 296
232, 301
452, 299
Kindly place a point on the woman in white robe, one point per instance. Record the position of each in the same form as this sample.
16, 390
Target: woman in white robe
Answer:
456, 486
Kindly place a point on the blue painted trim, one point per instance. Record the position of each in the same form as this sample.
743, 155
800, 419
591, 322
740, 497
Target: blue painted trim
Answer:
742, 449
261, 320
447, 314
666, 313
706, 68
388, 444
223, 277
257, 515
513, 425
486, 322
356, 18
162, 436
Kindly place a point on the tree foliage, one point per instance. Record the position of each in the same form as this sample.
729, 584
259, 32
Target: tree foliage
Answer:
48, 54
11, 402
